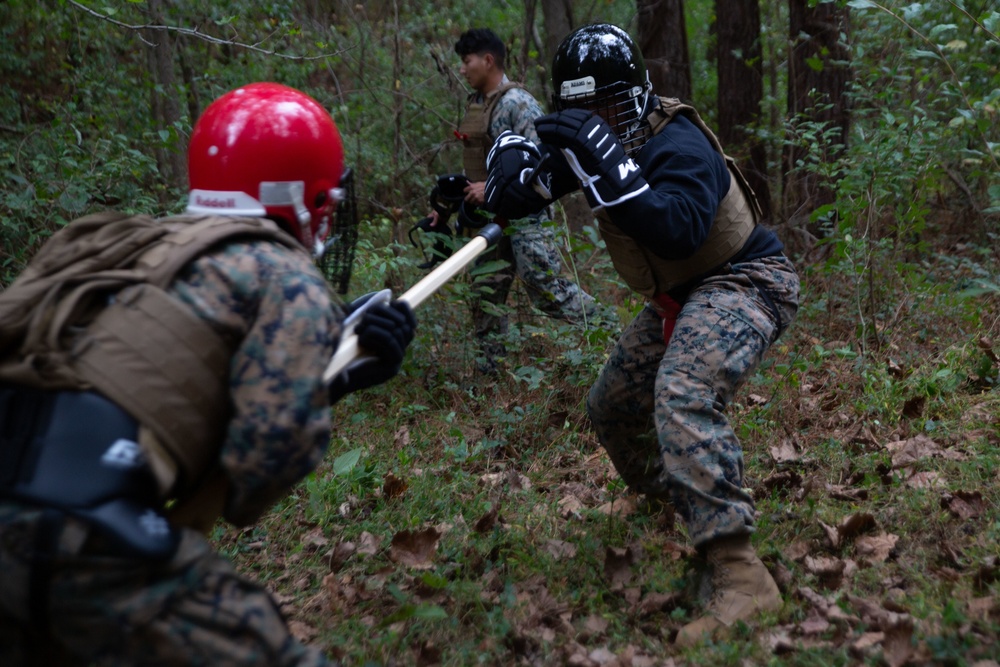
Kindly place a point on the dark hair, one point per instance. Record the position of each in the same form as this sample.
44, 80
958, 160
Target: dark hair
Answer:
481, 41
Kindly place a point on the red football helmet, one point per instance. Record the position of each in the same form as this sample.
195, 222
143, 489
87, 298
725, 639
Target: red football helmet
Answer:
267, 149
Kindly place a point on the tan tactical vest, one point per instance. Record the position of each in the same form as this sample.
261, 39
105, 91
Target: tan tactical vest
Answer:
739, 211
474, 130
91, 311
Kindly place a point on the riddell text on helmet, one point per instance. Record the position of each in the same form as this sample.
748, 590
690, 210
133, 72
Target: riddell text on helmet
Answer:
213, 202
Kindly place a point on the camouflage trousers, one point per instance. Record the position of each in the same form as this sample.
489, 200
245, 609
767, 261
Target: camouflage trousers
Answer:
531, 255
658, 409
70, 603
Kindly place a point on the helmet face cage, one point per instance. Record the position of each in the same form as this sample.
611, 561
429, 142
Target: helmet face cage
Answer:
621, 104
336, 259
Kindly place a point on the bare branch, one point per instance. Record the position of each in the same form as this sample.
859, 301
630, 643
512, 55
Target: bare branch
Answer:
974, 20
194, 32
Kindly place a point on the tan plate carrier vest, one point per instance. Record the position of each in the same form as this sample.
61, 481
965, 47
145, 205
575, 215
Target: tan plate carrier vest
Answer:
651, 275
146, 351
475, 132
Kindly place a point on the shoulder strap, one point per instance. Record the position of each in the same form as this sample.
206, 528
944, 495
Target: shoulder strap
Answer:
190, 237
668, 108
70, 279
80, 260
491, 102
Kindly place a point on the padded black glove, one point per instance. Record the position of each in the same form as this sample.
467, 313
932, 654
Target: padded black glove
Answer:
607, 175
515, 187
384, 332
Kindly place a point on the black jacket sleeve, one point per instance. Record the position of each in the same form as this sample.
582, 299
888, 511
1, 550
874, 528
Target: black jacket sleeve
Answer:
687, 181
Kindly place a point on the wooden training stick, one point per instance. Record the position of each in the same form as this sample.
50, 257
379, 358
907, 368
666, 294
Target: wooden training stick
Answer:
349, 350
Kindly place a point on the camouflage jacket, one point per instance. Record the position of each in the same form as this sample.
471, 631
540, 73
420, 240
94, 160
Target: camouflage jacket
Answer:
516, 111
276, 304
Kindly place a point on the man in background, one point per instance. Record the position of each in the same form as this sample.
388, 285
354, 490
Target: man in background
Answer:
497, 105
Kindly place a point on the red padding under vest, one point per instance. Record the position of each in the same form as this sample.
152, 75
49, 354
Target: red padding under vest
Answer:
668, 309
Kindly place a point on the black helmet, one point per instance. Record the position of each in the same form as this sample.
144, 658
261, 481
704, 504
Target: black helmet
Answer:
599, 67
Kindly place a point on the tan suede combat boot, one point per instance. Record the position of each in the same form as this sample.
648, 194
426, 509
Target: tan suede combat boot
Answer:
741, 588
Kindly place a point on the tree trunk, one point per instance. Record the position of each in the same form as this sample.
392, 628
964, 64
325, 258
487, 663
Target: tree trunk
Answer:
557, 16
741, 89
398, 110
164, 109
817, 85
663, 43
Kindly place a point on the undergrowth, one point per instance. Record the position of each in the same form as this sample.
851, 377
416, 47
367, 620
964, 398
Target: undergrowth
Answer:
467, 519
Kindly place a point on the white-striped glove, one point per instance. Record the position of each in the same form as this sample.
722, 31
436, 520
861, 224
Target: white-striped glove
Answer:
607, 175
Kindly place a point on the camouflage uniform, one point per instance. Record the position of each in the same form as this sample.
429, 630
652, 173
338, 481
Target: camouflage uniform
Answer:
658, 410
529, 249
688, 238
66, 596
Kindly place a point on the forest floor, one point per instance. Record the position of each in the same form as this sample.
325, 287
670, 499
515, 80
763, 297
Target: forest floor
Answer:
461, 519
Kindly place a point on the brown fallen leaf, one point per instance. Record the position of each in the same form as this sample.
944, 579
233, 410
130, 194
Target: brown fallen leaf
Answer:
924, 480
875, 548
797, 550
492, 479
984, 608
867, 641
618, 566
964, 504
315, 539
631, 596
987, 573
828, 571
897, 648
914, 407
986, 345
339, 554
784, 452
849, 527
559, 549
779, 641
619, 507
558, 419
907, 452
847, 493
782, 574
601, 656
855, 524
832, 535
428, 654
814, 599
786, 479
654, 602
486, 522
415, 548
393, 487
283, 600
595, 625
517, 481
331, 585
368, 544
304, 632
814, 625
569, 507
